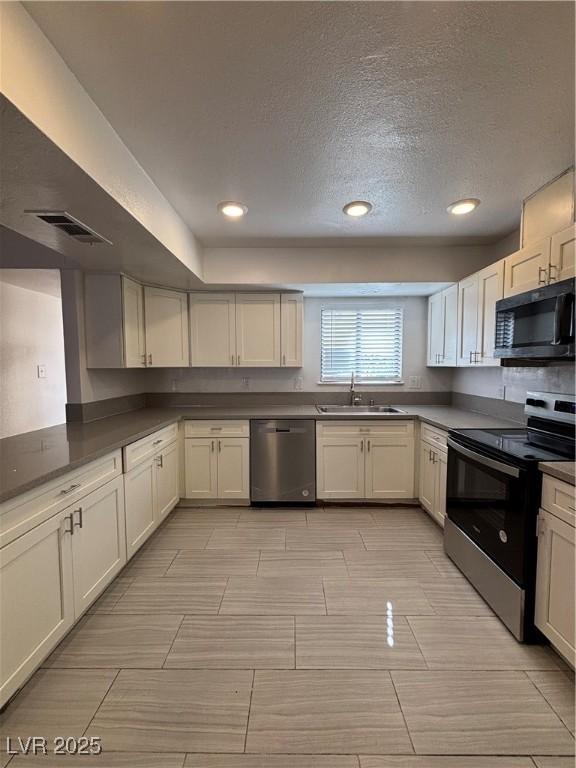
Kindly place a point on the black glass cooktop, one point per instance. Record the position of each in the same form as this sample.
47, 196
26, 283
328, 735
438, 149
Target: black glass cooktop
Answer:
510, 443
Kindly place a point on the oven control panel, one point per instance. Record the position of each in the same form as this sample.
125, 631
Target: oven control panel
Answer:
551, 405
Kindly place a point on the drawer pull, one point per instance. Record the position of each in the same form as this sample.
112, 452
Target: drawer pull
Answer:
73, 487
215, 429
156, 442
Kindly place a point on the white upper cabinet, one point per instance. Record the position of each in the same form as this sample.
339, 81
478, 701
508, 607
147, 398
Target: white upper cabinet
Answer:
212, 330
527, 269
490, 290
563, 255
258, 330
292, 316
133, 317
166, 314
467, 352
442, 327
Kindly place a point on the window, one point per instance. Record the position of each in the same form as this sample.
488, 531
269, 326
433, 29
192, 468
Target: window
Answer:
367, 343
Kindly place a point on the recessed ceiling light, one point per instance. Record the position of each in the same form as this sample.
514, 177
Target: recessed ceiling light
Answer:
461, 207
357, 208
232, 210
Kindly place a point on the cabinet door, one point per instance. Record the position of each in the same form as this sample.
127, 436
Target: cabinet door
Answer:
435, 329
427, 479
166, 320
233, 468
490, 290
450, 335
389, 468
291, 314
467, 320
563, 255
340, 468
441, 478
201, 468
139, 496
212, 330
527, 269
258, 330
167, 480
98, 542
555, 598
133, 320
36, 599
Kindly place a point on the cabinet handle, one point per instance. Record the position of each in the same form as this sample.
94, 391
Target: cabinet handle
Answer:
212, 446
150, 358
283, 359
361, 446
144, 359
160, 461
215, 429
80, 522
73, 487
429, 454
232, 359
219, 446
157, 442
551, 277
470, 357
238, 359
542, 280
434, 458
368, 446
71, 529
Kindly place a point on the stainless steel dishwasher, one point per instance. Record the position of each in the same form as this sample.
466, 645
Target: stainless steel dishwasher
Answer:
283, 461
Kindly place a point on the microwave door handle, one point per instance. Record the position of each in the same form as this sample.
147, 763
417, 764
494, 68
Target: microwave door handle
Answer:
498, 466
562, 317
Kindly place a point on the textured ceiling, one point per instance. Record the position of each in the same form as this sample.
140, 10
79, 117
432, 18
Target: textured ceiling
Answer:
295, 108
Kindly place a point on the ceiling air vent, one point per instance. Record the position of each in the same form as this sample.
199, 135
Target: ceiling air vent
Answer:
72, 226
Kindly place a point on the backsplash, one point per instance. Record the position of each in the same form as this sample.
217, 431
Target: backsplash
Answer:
511, 384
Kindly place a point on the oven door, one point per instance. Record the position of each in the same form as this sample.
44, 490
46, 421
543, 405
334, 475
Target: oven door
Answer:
488, 500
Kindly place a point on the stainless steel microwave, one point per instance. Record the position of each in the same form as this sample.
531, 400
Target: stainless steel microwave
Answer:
538, 324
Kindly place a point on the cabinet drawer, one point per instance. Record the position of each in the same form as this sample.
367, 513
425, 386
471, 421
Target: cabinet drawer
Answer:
558, 498
230, 428
21, 514
393, 427
435, 436
148, 446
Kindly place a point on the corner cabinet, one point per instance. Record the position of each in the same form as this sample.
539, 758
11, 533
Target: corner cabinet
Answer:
555, 596
365, 460
216, 460
166, 322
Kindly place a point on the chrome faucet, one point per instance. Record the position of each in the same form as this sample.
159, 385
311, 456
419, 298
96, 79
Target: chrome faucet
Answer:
354, 398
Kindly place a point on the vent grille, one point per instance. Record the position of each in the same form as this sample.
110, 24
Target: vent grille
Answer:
72, 226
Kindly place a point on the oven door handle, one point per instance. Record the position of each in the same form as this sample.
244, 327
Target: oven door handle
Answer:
486, 460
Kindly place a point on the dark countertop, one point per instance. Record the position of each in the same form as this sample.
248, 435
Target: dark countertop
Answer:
32, 458
563, 470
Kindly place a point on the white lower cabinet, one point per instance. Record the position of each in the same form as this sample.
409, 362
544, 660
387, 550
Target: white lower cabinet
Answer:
427, 479
139, 494
51, 574
167, 479
366, 460
433, 466
555, 596
217, 467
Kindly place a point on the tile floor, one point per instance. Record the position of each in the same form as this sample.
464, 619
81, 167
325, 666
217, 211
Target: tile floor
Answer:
329, 638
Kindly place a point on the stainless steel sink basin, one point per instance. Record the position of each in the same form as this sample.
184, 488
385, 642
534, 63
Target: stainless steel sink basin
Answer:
352, 409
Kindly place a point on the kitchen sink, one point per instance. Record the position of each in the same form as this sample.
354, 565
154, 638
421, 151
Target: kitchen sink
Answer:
358, 409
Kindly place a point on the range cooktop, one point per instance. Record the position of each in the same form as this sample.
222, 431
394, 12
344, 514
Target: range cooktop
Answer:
509, 443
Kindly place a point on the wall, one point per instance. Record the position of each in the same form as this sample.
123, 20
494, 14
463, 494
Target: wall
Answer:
511, 384
308, 377
30, 335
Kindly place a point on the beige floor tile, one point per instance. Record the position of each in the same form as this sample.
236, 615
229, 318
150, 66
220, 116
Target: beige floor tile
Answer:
179, 538
389, 563
327, 537
336, 711
234, 642
554, 762
247, 538
476, 643
445, 761
443, 564
558, 690
273, 596
406, 515
175, 710
356, 642
194, 564
455, 597
56, 702
194, 517
112, 595
117, 641
176, 596
402, 537
479, 713
306, 563
271, 761
105, 760
339, 518
376, 596
279, 518
149, 564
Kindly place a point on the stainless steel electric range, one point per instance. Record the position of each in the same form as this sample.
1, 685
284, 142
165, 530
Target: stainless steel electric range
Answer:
493, 496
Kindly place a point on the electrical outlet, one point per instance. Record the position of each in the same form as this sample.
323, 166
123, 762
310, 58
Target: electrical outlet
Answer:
415, 382
500, 393
41, 371
298, 383
174, 385
245, 382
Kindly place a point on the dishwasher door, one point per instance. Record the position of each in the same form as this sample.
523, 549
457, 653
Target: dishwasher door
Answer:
283, 461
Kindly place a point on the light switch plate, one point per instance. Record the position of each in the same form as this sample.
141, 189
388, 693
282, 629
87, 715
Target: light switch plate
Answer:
41, 371
415, 382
